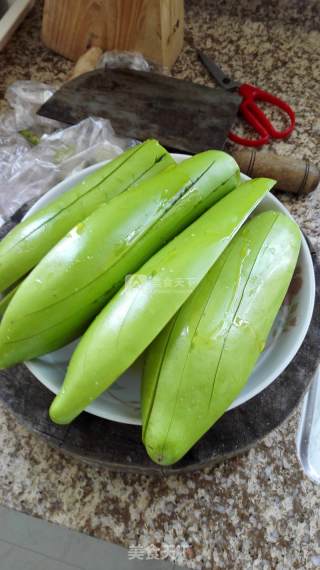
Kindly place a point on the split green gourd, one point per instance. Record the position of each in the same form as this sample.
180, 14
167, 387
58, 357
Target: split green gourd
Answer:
30, 240
137, 313
76, 278
201, 361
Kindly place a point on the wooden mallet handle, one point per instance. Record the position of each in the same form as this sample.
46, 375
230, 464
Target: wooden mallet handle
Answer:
293, 174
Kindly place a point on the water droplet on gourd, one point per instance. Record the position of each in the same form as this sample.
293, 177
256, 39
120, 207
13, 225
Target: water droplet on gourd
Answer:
238, 322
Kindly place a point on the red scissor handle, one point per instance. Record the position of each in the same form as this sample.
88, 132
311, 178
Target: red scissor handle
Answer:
255, 117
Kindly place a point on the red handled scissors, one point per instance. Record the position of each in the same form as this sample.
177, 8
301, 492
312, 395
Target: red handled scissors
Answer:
249, 109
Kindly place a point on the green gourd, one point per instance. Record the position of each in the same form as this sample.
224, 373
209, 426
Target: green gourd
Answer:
30, 240
141, 309
202, 360
69, 286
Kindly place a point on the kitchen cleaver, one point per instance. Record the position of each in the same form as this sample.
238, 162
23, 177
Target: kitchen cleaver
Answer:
182, 115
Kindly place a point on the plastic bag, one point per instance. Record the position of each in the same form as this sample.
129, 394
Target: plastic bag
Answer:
124, 60
25, 98
55, 157
28, 170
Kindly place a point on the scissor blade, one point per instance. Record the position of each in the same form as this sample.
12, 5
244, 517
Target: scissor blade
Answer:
221, 78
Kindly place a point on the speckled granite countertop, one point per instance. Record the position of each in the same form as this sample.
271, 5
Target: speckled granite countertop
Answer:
256, 511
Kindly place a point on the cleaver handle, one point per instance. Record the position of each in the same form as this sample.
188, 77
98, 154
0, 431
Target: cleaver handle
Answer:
293, 174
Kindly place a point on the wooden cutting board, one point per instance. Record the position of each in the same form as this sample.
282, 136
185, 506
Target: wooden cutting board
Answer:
152, 27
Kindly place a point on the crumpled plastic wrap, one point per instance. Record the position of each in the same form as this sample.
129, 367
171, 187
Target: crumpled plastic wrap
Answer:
38, 168
55, 157
25, 98
124, 60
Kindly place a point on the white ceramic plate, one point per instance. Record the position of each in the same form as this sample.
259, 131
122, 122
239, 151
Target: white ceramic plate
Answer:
121, 402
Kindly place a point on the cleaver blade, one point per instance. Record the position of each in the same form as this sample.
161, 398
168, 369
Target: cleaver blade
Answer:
182, 115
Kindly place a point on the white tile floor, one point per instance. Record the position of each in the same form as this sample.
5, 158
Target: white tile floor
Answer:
27, 543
